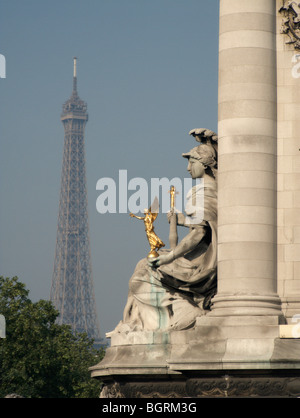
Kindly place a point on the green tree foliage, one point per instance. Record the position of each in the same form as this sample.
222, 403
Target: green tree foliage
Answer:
39, 358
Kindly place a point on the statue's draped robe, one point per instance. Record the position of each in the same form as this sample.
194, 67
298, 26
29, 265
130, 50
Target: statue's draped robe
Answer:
173, 295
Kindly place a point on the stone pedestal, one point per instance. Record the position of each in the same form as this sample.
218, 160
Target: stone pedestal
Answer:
220, 357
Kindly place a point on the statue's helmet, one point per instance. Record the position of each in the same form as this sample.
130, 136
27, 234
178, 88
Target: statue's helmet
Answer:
204, 153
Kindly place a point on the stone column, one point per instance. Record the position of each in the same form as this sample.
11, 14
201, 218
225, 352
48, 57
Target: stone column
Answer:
247, 160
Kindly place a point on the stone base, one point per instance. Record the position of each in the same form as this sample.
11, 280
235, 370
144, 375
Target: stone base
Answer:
221, 356
216, 385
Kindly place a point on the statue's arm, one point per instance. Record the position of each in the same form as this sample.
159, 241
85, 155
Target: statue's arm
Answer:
180, 218
188, 243
137, 217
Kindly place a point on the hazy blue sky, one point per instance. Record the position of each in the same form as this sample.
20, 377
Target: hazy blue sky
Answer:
148, 70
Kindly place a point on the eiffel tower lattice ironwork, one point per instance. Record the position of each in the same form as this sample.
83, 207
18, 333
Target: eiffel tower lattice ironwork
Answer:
72, 290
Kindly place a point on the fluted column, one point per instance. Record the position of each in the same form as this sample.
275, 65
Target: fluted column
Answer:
247, 160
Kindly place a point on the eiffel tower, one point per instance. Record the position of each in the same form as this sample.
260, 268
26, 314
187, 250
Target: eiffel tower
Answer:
72, 290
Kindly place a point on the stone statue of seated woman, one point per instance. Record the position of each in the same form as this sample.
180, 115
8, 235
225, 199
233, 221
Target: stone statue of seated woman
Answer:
172, 290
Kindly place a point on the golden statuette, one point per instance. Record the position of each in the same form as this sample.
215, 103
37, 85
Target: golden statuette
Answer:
150, 216
173, 236
172, 197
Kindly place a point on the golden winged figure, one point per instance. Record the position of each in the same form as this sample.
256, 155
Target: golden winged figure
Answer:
149, 218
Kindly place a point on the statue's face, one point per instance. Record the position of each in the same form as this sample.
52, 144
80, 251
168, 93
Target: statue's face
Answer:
195, 168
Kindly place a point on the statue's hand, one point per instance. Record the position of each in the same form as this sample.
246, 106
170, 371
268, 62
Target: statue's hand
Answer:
131, 214
170, 215
159, 261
